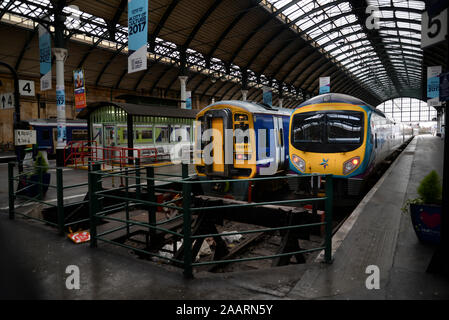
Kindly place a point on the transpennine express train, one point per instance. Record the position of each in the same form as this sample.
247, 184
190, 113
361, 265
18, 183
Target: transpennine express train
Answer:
342, 135
244, 153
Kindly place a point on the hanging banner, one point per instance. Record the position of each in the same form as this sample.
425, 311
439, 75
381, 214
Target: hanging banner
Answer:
188, 99
267, 96
137, 35
433, 86
325, 85
45, 58
79, 89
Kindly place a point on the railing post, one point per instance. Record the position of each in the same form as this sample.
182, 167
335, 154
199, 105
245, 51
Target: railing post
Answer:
93, 203
186, 196
127, 202
328, 219
60, 200
11, 189
185, 171
137, 161
151, 198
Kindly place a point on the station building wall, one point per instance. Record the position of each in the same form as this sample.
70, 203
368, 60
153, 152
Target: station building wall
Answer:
28, 105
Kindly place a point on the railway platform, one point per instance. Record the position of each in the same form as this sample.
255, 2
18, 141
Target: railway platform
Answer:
377, 233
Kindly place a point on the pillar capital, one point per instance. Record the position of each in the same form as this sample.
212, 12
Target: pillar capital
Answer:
60, 53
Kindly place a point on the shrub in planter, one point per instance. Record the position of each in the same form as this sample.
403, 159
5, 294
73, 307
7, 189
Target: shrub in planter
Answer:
30, 181
425, 211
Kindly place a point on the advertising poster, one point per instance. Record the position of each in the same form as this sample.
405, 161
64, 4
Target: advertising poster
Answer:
79, 89
433, 86
137, 35
60, 106
45, 58
325, 85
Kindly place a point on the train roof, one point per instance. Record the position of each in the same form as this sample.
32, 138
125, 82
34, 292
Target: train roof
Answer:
140, 110
339, 98
54, 122
254, 107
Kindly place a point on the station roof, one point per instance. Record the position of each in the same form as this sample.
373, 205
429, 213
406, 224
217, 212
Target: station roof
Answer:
284, 44
140, 110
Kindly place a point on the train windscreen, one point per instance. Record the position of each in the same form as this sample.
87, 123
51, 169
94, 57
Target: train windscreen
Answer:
326, 132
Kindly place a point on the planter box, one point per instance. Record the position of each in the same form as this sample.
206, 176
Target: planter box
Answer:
33, 191
426, 221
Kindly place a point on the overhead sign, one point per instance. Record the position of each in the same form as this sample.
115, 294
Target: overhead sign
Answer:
137, 35
79, 89
24, 137
433, 86
433, 30
6, 100
26, 88
45, 58
267, 96
325, 85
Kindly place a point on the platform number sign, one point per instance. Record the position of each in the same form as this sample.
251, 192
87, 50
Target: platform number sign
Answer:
433, 29
6, 100
26, 88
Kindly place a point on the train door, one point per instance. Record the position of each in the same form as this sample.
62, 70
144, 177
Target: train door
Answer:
110, 135
279, 142
218, 121
55, 139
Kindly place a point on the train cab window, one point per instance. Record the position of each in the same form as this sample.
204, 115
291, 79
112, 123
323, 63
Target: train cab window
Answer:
344, 128
307, 128
45, 134
240, 117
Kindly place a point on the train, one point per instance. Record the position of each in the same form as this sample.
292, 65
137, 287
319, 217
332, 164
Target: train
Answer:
341, 135
47, 132
244, 140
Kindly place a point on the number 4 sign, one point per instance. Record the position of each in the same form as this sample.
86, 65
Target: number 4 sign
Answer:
26, 88
433, 30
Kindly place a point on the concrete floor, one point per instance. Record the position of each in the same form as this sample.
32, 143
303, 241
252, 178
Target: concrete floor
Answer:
380, 235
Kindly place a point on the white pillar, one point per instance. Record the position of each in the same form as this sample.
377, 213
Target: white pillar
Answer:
281, 102
213, 100
244, 95
61, 55
183, 81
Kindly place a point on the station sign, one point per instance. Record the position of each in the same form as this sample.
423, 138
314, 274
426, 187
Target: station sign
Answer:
26, 88
433, 29
6, 100
24, 137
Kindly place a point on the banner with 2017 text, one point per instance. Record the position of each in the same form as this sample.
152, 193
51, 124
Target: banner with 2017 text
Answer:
137, 35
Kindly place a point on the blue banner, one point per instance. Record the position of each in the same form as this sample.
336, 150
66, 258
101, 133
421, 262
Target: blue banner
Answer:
433, 86
268, 97
45, 58
137, 35
189, 100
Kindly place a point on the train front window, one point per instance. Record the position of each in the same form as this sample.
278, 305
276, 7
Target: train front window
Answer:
344, 128
307, 128
328, 132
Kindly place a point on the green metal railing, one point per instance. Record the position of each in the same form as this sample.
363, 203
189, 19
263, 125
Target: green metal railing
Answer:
148, 200
13, 195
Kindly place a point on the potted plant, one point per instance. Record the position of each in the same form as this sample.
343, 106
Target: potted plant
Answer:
30, 182
425, 211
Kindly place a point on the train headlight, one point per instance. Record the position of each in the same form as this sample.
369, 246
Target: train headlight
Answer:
299, 163
350, 165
